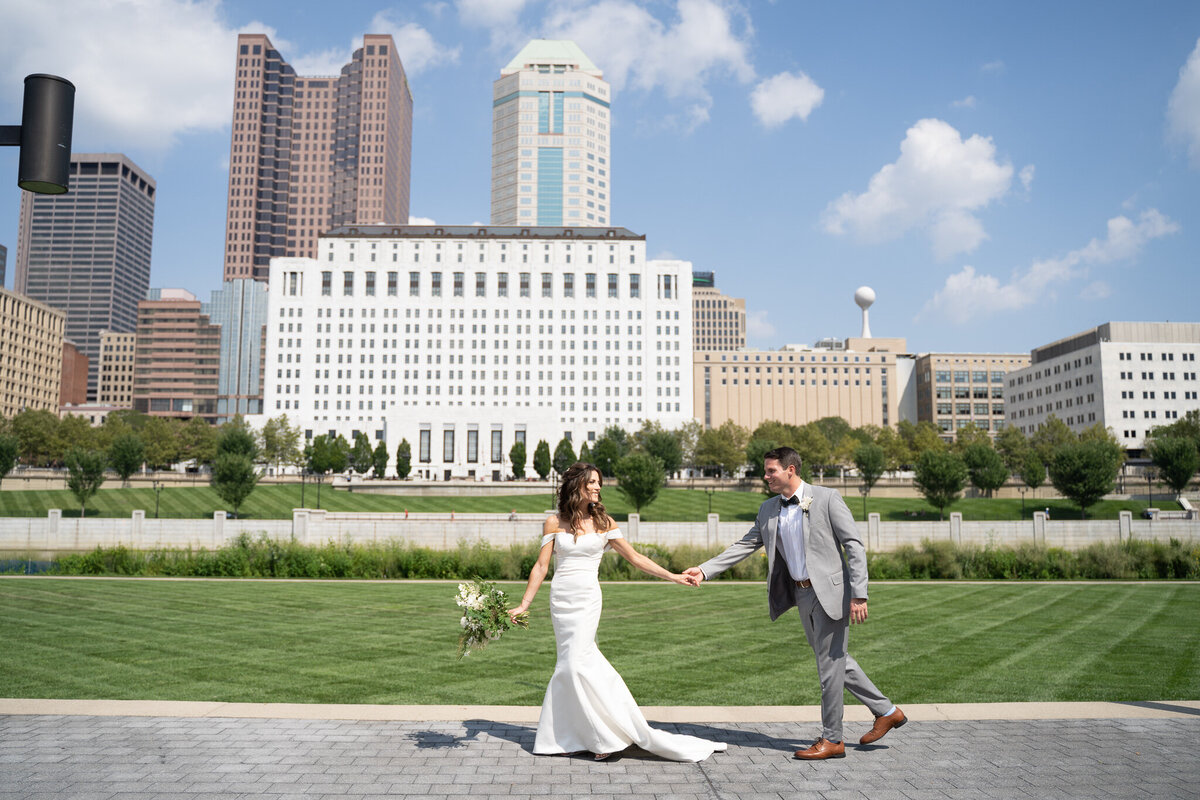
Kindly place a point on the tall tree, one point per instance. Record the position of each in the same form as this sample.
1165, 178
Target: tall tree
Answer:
126, 455
516, 460
870, 461
1033, 471
985, 467
1085, 471
564, 456
236, 437
280, 441
1013, 447
1176, 459
361, 459
198, 442
160, 435
618, 436
940, 476
723, 448
755, 449
1049, 437
605, 455
403, 459
85, 475
584, 453
639, 477
233, 478
689, 436
379, 460
73, 432
9, 448
663, 445
895, 448
541, 460
970, 434
37, 431
1188, 428
815, 449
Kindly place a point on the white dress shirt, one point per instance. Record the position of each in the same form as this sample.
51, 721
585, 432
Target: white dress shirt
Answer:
791, 538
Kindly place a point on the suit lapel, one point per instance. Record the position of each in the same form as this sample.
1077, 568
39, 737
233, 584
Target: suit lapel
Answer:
773, 529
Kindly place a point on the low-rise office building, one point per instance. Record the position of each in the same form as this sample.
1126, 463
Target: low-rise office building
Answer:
114, 386
959, 389
31, 354
177, 357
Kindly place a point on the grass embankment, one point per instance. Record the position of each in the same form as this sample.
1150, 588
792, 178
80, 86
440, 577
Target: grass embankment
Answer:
277, 502
395, 643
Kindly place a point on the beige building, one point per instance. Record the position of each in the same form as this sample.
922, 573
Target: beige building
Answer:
31, 354
718, 321
177, 357
115, 386
308, 154
957, 389
798, 384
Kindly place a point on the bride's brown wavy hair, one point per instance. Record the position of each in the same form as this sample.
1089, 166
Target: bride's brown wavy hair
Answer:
573, 505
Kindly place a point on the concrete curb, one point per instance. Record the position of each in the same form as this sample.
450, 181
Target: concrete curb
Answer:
932, 712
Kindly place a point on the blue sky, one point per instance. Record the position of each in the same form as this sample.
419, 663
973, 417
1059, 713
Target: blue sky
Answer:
1001, 174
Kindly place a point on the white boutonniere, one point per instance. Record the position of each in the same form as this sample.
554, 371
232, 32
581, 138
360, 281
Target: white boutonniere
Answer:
805, 502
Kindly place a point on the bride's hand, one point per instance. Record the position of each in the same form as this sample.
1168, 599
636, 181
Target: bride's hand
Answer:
513, 613
684, 580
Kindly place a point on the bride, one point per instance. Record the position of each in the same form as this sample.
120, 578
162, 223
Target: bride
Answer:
587, 706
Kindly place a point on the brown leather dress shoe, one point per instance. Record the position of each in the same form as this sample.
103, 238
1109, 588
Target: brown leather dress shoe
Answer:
820, 749
882, 725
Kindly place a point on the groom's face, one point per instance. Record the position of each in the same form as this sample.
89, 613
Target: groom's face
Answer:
776, 476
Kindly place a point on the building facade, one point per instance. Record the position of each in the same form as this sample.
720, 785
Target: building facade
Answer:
115, 385
3, 264
177, 357
1129, 377
799, 384
31, 354
959, 389
718, 321
73, 388
239, 307
551, 163
87, 252
464, 340
311, 153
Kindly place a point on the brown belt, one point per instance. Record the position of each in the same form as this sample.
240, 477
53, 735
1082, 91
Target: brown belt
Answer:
804, 584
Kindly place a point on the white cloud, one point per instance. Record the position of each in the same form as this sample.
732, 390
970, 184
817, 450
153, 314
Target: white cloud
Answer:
1183, 107
967, 296
416, 46
993, 66
936, 184
490, 13
785, 96
966, 102
1096, 290
1026, 176
635, 49
758, 327
420, 221
145, 73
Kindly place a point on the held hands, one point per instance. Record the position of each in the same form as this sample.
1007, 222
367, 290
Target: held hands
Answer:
684, 579
858, 610
695, 574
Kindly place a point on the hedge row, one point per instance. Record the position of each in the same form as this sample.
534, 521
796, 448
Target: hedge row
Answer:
246, 557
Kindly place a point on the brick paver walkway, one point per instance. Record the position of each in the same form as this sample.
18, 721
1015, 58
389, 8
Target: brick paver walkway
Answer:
151, 758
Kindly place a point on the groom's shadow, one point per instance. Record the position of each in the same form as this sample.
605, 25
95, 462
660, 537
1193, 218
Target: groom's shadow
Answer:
442, 740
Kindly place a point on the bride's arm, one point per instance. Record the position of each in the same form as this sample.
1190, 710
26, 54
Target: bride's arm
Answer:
538, 573
645, 564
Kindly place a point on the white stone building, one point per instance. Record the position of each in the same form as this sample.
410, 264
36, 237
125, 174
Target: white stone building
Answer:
465, 339
551, 163
1128, 376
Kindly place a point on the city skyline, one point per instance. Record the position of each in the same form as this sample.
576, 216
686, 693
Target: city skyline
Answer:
1000, 180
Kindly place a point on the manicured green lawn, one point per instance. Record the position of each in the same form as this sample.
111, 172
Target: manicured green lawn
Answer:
277, 502
372, 642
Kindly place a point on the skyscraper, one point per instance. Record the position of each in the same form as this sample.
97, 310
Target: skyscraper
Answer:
240, 309
87, 252
550, 154
309, 154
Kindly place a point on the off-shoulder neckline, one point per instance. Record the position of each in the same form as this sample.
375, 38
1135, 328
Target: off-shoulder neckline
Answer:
585, 533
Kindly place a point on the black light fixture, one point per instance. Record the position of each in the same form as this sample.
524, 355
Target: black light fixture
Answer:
44, 134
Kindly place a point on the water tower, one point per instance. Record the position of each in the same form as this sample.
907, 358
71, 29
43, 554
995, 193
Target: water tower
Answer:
864, 296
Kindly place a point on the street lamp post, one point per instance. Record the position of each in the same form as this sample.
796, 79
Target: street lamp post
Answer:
710, 491
1022, 490
303, 473
158, 487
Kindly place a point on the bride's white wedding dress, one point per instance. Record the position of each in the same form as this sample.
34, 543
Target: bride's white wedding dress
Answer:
587, 705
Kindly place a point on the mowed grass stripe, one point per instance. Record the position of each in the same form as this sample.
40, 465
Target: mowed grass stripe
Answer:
395, 643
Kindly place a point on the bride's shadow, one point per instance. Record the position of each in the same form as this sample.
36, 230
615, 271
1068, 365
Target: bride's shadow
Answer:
523, 736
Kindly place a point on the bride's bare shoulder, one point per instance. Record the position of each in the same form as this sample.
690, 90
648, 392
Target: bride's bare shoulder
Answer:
551, 525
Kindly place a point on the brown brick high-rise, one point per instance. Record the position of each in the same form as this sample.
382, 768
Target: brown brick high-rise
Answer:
311, 154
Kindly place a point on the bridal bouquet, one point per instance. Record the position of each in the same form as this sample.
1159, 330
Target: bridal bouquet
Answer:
485, 615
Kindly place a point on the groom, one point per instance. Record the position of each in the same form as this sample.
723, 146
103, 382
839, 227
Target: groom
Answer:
806, 529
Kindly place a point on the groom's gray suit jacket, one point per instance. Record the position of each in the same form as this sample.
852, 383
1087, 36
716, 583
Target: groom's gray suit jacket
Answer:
829, 531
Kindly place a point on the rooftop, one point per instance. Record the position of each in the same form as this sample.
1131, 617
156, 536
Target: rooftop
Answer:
551, 51
477, 232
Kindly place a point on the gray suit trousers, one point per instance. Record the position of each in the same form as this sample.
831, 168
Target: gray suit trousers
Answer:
836, 668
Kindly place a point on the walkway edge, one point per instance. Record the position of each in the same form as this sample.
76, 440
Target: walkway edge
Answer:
932, 712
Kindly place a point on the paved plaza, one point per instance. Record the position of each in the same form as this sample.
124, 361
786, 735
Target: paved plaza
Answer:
1149, 750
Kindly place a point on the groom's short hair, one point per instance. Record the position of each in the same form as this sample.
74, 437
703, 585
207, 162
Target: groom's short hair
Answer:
786, 456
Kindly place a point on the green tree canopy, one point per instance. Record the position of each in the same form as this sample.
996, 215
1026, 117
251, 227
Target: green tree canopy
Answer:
379, 460
814, 448
564, 456
160, 435
541, 460
755, 449
985, 467
126, 455
361, 455
723, 448
73, 432
639, 477
895, 448
940, 476
584, 453
870, 461
1085, 471
920, 437
1033, 470
618, 436
1176, 459
9, 448
403, 459
689, 436
1188, 428
280, 441
663, 445
1049, 437
37, 431
85, 475
233, 478
517, 458
970, 434
236, 437
1012, 446
198, 441
605, 456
